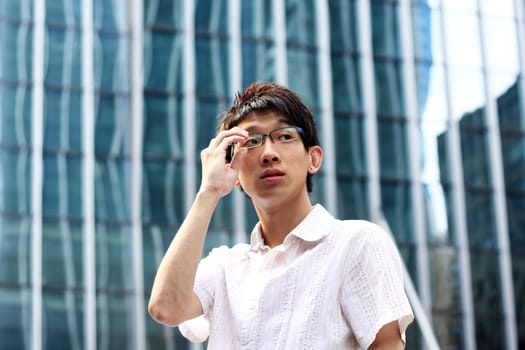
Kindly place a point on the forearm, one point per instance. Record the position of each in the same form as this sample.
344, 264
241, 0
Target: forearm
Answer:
172, 299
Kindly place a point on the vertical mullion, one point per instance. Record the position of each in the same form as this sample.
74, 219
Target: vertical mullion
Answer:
88, 179
189, 103
496, 171
458, 198
327, 114
409, 78
239, 212
37, 116
279, 16
369, 106
136, 72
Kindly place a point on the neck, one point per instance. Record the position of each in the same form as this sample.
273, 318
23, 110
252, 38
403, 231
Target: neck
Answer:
277, 220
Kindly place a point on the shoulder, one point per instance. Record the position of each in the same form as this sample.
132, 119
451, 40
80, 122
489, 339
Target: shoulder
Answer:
360, 232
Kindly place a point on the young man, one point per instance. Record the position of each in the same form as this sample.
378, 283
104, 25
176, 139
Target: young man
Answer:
306, 280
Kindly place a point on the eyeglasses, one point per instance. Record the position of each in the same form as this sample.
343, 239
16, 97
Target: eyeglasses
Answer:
282, 135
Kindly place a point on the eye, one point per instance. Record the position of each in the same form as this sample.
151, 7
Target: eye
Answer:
285, 135
251, 142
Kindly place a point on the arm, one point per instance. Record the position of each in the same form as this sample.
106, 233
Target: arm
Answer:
172, 298
388, 337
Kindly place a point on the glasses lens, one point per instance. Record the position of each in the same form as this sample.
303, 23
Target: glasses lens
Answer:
252, 141
285, 135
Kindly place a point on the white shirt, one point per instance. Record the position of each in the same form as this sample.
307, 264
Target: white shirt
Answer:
331, 284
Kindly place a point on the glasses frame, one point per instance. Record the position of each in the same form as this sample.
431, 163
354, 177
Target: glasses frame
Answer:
262, 138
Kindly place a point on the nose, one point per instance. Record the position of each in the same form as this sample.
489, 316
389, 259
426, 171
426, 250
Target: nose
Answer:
268, 153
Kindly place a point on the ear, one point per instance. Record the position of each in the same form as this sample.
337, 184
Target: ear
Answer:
315, 155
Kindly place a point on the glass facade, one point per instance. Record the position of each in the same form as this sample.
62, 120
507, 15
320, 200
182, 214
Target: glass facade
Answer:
105, 106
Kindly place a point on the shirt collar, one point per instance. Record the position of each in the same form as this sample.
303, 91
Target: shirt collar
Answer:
314, 227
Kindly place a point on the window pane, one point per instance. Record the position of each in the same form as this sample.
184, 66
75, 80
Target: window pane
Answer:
213, 68
301, 22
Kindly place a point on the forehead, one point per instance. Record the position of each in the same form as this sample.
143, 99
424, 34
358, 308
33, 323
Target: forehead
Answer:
263, 120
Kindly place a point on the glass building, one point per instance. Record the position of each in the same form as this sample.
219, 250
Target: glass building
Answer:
106, 104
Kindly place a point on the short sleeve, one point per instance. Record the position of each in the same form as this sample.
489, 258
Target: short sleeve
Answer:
373, 292
206, 280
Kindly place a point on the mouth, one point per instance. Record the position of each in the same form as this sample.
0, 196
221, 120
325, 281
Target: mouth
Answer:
272, 174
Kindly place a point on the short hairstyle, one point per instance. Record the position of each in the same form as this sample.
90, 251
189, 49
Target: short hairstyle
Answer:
278, 99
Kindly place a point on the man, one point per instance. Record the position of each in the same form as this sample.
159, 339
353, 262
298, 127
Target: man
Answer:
306, 280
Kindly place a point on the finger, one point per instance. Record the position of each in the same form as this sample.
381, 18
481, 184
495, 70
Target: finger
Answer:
235, 131
238, 157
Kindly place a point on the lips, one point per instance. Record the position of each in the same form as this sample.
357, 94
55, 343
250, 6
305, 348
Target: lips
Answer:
271, 173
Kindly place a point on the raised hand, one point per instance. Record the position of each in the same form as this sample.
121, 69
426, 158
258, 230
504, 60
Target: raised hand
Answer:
218, 176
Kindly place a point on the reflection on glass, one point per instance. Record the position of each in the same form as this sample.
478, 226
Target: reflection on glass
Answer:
497, 7
500, 45
462, 5
466, 91
462, 39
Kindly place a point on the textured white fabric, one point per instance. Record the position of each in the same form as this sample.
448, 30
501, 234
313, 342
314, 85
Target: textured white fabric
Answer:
332, 284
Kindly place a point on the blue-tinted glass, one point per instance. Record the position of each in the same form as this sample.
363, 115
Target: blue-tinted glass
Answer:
15, 113
63, 120
303, 75
397, 208
166, 14
16, 40
63, 314
163, 126
212, 66
352, 196
518, 266
516, 220
258, 61
206, 120
513, 156
111, 15
343, 26
475, 156
113, 258
15, 181
385, 31
112, 63
211, 16
62, 190
481, 219
509, 106
16, 9
114, 312
350, 151
389, 88
257, 19
300, 22
486, 290
163, 61
112, 195
15, 323
65, 13
393, 151
62, 257
63, 65
163, 186
424, 23
346, 83
111, 124
15, 252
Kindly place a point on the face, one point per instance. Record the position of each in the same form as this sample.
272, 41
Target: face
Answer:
275, 171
